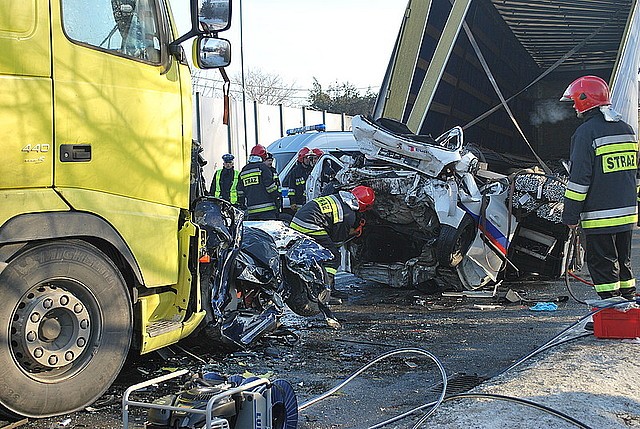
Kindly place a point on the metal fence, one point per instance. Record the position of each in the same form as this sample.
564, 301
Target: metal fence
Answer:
262, 124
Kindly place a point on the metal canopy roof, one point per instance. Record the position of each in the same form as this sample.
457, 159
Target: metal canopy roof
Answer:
599, 24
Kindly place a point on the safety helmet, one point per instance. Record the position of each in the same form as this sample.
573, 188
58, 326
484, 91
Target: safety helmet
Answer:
317, 152
302, 153
227, 157
259, 150
269, 155
365, 196
587, 92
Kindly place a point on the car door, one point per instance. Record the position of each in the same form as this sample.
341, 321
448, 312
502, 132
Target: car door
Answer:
322, 174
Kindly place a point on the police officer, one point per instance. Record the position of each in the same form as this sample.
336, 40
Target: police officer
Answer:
297, 178
225, 181
332, 219
601, 194
257, 190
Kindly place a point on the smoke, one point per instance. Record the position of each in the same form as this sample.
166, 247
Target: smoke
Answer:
550, 111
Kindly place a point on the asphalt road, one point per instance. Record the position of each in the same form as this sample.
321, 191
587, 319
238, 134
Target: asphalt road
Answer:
473, 338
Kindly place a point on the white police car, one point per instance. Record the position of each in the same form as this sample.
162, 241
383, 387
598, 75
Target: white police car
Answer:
334, 144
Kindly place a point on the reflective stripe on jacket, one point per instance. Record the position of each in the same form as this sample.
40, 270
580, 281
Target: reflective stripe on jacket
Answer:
297, 183
217, 188
602, 189
324, 216
257, 188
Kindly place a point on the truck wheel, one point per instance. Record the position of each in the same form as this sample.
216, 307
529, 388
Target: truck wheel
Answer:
66, 323
453, 243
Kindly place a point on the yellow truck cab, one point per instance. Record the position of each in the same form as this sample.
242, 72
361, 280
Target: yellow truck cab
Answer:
97, 248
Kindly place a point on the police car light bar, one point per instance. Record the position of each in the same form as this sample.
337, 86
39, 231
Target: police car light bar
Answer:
300, 130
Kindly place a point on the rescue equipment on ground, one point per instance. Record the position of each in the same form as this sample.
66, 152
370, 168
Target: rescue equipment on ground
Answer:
620, 321
213, 401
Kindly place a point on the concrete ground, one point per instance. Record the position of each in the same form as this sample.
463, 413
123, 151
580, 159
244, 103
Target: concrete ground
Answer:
593, 381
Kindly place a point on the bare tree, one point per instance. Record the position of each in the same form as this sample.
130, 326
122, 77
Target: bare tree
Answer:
266, 88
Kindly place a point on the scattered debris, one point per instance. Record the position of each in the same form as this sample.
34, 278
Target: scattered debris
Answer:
103, 402
62, 424
513, 296
15, 424
544, 306
487, 306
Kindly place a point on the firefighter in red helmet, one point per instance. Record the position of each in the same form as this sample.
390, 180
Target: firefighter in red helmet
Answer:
257, 191
331, 220
601, 195
297, 177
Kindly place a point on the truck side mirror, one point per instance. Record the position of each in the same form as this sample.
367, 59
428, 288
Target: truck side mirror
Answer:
211, 52
214, 16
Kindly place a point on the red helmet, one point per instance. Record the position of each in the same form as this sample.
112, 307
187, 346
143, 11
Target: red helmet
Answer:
587, 92
365, 196
302, 153
317, 152
259, 150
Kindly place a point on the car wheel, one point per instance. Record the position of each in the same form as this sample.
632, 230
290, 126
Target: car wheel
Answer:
298, 296
453, 243
67, 323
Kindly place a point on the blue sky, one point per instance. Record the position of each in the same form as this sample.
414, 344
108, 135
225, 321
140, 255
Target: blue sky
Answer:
332, 40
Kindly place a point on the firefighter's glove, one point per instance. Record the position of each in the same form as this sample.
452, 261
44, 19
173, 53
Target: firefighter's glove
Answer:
358, 231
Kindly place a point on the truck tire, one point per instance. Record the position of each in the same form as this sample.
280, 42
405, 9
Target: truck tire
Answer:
453, 243
66, 321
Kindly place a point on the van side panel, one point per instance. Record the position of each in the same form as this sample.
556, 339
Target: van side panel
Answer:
26, 134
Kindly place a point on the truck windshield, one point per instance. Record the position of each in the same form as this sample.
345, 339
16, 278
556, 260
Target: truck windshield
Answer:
124, 27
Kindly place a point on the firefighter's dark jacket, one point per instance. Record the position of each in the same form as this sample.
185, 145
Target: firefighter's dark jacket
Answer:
325, 216
602, 189
225, 184
276, 179
297, 183
256, 188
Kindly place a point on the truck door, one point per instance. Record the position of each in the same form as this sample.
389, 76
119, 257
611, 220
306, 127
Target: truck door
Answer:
118, 104
25, 95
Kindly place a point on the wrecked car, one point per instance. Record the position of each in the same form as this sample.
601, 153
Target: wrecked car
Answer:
250, 276
458, 215
441, 220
